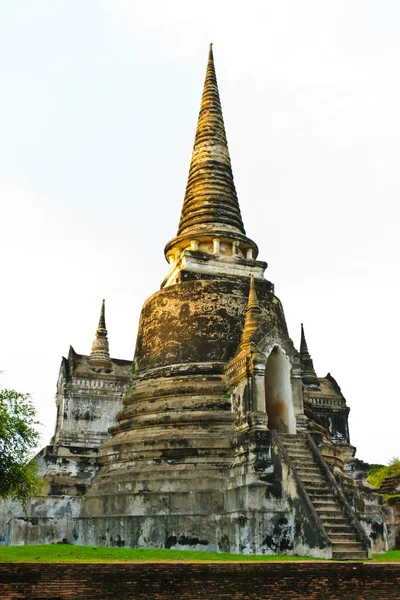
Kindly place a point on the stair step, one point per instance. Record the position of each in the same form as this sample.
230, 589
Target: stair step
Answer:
299, 457
331, 521
319, 487
311, 478
302, 461
292, 443
347, 547
334, 530
326, 515
320, 497
311, 471
326, 503
350, 555
303, 470
343, 537
330, 509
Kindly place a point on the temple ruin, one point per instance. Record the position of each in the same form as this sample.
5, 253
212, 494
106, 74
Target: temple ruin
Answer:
219, 435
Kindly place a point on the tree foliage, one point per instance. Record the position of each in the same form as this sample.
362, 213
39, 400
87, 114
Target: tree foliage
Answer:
18, 438
378, 477
373, 468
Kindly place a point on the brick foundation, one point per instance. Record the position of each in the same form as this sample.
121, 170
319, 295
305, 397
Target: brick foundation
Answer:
209, 581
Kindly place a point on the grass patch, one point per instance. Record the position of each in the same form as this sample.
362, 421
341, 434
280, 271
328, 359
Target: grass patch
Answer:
68, 553
390, 556
71, 553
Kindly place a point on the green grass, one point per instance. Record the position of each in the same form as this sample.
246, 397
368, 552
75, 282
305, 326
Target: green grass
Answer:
390, 556
71, 553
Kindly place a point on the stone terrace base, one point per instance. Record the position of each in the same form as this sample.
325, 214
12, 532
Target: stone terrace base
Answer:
196, 581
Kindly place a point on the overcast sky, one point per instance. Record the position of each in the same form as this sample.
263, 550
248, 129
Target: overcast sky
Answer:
98, 110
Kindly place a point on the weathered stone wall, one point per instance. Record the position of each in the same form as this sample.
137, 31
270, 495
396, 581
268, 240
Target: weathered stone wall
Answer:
199, 321
255, 507
87, 401
367, 505
392, 519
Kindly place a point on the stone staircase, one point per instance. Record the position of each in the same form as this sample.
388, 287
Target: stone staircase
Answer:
338, 527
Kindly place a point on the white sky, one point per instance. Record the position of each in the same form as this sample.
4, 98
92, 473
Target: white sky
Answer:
98, 109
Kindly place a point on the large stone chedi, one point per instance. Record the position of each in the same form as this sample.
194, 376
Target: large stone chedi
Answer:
227, 440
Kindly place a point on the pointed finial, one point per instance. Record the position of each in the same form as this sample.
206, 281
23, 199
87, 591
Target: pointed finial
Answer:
309, 375
253, 317
303, 343
210, 53
102, 320
99, 359
252, 303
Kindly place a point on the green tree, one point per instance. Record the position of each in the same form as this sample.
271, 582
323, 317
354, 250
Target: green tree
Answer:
18, 438
378, 477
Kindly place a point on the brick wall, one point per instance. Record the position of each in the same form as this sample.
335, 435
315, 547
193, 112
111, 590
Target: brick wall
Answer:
209, 581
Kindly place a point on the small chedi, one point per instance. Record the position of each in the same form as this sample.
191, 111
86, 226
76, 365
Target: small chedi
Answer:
220, 435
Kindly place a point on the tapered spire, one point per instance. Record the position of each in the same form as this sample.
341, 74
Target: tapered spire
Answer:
210, 197
253, 317
99, 359
303, 343
210, 207
309, 375
102, 319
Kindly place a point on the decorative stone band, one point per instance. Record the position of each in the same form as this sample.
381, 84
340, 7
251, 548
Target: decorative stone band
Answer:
215, 240
175, 418
238, 369
335, 402
201, 262
69, 437
192, 369
96, 383
145, 389
236, 365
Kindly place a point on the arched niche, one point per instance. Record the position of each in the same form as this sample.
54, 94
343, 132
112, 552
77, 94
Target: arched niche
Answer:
278, 393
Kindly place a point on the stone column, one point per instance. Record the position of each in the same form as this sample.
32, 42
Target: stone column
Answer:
297, 390
259, 388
